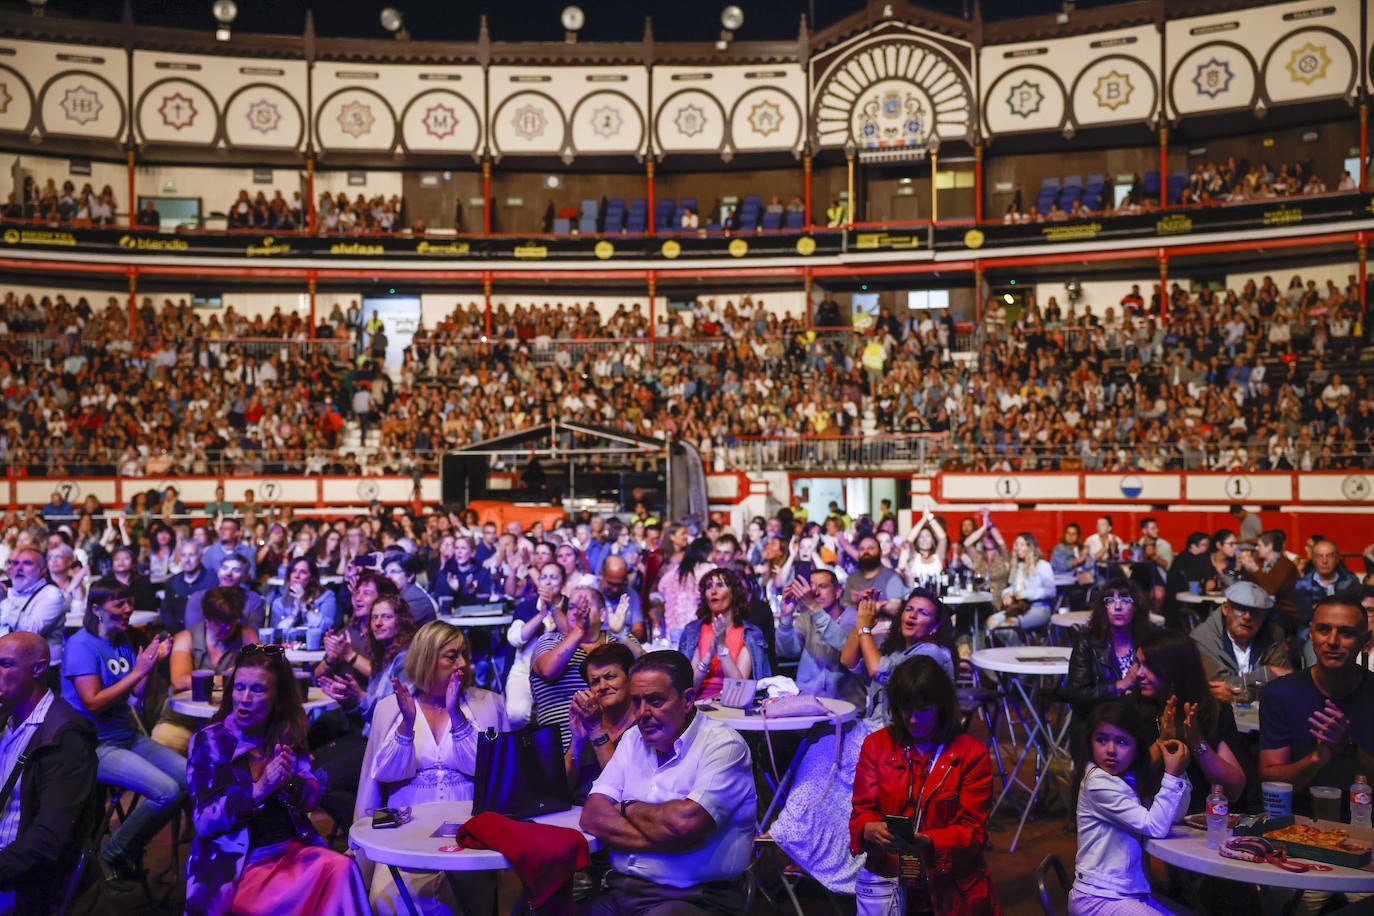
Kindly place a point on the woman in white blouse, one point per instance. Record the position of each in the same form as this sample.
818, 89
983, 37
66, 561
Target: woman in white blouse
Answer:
423, 748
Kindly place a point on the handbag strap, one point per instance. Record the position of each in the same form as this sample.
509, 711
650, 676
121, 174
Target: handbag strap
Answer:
15, 773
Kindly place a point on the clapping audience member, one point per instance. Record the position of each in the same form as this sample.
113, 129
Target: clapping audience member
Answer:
1112, 815
921, 767
556, 666
1317, 725
48, 814
720, 642
252, 790
423, 748
213, 645
600, 715
340, 760
101, 670
1175, 689
814, 625
922, 629
534, 616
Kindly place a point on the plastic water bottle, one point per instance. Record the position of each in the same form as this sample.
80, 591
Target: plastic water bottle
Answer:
1218, 813
1360, 801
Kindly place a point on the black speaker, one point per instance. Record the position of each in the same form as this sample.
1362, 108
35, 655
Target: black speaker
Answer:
462, 478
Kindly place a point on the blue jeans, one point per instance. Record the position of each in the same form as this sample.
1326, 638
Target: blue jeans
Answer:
153, 771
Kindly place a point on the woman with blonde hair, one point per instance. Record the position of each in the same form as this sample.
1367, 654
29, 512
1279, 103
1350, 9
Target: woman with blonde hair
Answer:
423, 748
1025, 602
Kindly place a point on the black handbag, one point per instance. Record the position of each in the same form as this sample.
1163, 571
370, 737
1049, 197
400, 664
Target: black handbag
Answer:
520, 774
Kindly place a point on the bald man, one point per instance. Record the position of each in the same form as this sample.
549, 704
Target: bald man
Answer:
615, 579
49, 806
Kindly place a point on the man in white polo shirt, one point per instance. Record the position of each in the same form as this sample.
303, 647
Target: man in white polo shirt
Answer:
676, 804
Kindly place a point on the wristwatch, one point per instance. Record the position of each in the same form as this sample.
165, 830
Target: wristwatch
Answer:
868, 630
625, 804
601, 740
1202, 748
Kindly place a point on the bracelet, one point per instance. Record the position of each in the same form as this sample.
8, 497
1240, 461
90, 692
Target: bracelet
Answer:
703, 666
602, 740
865, 631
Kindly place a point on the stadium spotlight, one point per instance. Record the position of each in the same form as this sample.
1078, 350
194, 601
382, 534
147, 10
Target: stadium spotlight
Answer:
731, 18
573, 20
395, 23
226, 11
38, 6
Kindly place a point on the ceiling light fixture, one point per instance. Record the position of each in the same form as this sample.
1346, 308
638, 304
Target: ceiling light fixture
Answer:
573, 20
225, 12
394, 21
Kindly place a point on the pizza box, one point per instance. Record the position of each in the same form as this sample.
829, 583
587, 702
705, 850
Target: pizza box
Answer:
1313, 853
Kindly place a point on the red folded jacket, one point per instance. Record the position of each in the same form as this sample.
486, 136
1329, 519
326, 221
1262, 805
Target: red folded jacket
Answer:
544, 857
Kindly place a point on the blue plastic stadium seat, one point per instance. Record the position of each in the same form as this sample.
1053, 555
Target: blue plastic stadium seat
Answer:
1095, 182
1049, 183
562, 226
590, 208
772, 220
1150, 184
795, 219
587, 225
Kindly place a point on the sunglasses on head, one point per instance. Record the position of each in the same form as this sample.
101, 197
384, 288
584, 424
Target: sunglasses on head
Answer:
258, 648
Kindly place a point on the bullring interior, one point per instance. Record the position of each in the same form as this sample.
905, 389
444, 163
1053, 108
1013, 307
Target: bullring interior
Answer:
1082, 192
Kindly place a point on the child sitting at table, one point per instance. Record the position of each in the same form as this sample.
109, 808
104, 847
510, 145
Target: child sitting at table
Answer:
1112, 817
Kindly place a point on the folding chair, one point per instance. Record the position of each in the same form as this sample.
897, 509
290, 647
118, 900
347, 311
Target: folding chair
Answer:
1051, 864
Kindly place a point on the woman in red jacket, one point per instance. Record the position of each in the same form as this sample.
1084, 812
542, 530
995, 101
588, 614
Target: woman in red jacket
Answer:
921, 767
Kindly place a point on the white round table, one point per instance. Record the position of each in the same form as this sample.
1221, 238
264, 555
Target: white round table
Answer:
305, 656
958, 598
413, 845
1024, 659
182, 703
1077, 620
1186, 848
1064, 580
1190, 598
1019, 662
841, 713
474, 620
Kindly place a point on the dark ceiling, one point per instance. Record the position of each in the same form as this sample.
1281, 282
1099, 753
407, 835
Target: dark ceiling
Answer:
523, 20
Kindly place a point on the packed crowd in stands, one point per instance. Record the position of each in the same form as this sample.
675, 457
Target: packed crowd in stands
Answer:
378, 215
52, 205
613, 613
1264, 377
258, 212
1207, 184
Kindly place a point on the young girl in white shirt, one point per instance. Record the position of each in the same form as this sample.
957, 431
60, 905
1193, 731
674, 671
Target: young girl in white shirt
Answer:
1110, 880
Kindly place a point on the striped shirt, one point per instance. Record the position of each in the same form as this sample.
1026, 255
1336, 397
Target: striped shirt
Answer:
552, 698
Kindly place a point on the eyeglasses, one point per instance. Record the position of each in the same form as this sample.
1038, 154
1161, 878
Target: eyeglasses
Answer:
258, 648
1242, 610
1118, 601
